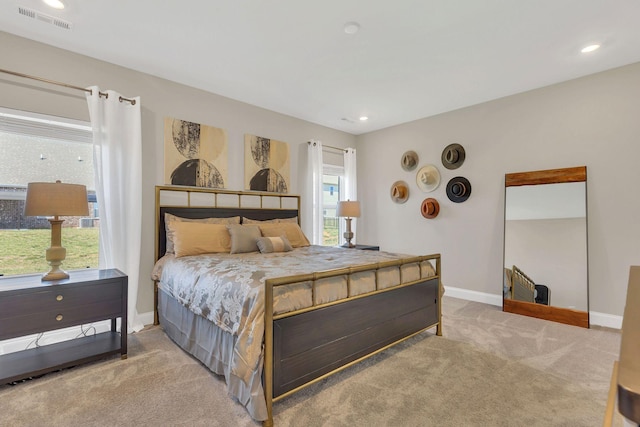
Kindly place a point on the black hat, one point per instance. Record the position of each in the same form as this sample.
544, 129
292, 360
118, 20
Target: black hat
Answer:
458, 189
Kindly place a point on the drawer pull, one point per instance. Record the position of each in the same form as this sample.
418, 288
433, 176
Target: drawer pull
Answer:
59, 298
59, 317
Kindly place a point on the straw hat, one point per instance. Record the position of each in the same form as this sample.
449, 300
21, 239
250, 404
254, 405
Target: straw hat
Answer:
399, 192
428, 178
430, 208
409, 160
453, 156
458, 189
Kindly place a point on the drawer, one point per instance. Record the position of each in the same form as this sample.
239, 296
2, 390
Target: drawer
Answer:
57, 298
54, 318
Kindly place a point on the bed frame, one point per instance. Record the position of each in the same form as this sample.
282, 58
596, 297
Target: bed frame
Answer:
523, 288
296, 352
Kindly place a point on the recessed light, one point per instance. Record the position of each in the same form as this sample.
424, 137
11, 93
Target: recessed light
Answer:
364, 118
56, 4
590, 48
351, 27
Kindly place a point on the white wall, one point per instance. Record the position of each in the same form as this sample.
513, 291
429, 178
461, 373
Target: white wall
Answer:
592, 121
159, 98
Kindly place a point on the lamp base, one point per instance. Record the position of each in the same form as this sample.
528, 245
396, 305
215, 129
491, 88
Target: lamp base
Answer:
55, 256
348, 235
55, 274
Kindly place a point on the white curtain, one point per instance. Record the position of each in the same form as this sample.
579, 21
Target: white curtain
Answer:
315, 183
350, 183
117, 156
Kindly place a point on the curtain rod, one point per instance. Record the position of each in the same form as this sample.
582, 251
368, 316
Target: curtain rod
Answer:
328, 146
26, 76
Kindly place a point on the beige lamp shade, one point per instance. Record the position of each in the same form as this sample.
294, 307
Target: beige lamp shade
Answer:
56, 199
349, 209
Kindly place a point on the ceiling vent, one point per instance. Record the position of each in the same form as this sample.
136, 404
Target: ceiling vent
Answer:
48, 19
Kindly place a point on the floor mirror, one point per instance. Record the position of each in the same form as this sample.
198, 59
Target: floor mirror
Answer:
545, 245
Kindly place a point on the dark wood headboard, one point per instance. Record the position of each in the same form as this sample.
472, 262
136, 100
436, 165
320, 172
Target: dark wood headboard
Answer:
196, 202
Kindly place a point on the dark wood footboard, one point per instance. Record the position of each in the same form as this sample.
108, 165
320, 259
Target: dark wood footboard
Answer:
310, 345
304, 347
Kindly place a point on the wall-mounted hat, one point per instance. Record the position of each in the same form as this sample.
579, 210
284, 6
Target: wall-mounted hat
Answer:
399, 192
409, 160
458, 189
430, 208
428, 178
453, 156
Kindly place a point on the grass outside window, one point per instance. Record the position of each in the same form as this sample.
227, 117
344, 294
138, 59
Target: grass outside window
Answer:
23, 251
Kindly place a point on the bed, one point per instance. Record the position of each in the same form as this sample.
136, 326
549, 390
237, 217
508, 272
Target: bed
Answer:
524, 288
273, 323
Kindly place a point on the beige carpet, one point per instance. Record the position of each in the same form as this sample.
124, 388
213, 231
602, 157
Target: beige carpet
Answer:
490, 369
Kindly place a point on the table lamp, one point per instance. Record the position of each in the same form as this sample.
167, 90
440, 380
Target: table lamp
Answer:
54, 199
348, 209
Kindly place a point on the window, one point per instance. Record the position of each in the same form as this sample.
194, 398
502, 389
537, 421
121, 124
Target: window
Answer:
332, 182
43, 148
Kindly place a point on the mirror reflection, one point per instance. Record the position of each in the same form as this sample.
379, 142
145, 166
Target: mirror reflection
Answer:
545, 247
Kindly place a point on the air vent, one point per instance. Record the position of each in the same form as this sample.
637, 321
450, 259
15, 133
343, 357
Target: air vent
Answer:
26, 12
47, 19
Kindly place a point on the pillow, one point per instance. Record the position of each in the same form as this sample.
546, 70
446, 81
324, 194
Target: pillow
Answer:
169, 218
195, 238
246, 220
289, 229
268, 245
243, 238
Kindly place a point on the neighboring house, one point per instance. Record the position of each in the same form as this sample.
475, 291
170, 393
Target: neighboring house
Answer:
32, 158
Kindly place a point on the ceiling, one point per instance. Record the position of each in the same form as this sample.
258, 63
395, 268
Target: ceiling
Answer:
410, 58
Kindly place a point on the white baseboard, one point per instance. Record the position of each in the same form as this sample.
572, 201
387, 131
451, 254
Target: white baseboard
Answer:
146, 318
52, 337
476, 296
595, 318
606, 320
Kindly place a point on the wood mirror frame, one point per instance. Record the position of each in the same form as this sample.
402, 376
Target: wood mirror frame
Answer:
557, 314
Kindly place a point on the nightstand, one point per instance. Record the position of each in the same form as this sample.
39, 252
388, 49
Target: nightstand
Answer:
30, 306
367, 248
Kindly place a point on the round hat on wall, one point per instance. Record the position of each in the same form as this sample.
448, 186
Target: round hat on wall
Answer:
430, 208
399, 192
409, 160
453, 156
428, 178
458, 189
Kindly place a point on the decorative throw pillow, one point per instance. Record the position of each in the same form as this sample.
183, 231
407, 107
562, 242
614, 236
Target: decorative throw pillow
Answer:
268, 245
289, 229
243, 238
169, 219
195, 238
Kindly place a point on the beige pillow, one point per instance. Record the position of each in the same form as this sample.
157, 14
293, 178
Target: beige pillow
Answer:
169, 218
195, 238
243, 238
246, 220
291, 230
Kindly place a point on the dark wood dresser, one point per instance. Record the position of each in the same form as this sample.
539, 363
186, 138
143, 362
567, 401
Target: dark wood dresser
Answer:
30, 306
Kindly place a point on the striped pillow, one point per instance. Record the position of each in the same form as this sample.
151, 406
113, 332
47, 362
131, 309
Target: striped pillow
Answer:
268, 245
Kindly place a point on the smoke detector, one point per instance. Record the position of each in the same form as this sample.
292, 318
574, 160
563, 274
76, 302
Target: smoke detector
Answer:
42, 17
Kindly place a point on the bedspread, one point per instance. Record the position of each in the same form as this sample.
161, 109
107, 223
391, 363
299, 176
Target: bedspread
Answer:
229, 289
